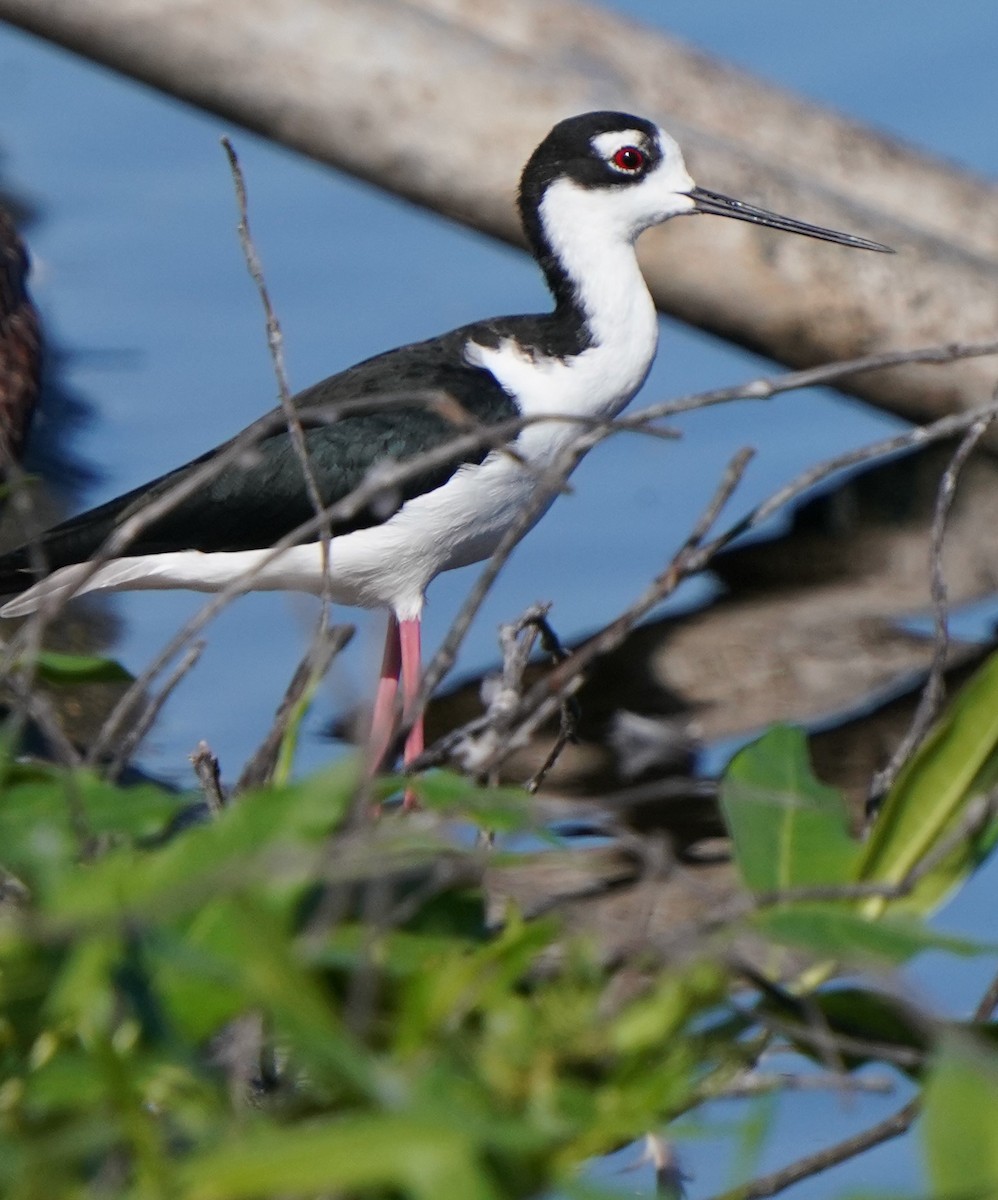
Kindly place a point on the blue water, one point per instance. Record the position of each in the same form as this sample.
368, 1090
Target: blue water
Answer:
140, 274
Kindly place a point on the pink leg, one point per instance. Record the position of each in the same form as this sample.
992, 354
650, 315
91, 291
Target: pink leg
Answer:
383, 717
409, 637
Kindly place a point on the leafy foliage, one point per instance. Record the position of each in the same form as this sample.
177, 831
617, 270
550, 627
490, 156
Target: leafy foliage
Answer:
289, 1000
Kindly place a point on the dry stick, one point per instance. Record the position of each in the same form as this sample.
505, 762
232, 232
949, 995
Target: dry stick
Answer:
543, 697
976, 818
517, 641
766, 387
275, 344
822, 1037
41, 710
445, 657
321, 651
313, 666
761, 1083
209, 775
932, 694
37, 707
759, 389
139, 517
988, 1002
143, 722
891, 1127
28, 702
570, 712
813, 1164
265, 426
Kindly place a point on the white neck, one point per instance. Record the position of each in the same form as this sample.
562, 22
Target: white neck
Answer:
594, 245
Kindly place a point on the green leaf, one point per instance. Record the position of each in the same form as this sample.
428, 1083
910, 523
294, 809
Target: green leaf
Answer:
951, 769
789, 829
659, 1015
51, 666
275, 834
46, 820
961, 1119
502, 809
833, 930
400, 1153
876, 1017
883, 1022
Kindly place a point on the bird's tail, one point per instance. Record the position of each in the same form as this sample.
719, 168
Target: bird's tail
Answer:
66, 581
60, 555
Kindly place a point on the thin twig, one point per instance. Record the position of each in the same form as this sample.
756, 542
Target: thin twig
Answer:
40, 710
545, 696
813, 1164
209, 775
373, 486
932, 695
824, 1039
761, 1083
768, 386
275, 343
988, 1002
974, 820
313, 666
494, 436
445, 657
541, 700
143, 721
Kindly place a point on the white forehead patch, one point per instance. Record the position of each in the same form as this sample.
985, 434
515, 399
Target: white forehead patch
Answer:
606, 144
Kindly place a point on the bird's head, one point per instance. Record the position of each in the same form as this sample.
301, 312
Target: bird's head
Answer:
620, 174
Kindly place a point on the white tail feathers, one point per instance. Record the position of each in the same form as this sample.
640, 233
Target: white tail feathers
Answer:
297, 569
62, 583
81, 578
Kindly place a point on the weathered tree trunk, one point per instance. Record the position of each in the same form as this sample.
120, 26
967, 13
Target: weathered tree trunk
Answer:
441, 100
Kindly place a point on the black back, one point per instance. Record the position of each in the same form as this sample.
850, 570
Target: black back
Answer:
262, 497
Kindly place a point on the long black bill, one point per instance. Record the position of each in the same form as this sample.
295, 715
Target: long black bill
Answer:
724, 206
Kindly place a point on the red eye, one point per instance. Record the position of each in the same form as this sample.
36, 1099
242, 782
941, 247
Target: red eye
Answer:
629, 159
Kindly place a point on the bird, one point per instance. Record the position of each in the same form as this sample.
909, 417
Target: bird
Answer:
594, 183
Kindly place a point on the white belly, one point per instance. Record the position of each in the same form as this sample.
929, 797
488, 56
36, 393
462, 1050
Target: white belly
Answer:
387, 565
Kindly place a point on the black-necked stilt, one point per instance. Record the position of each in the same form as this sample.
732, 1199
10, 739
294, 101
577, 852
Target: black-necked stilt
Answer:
588, 190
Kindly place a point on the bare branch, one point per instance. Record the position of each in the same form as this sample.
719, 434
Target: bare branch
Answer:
325, 646
141, 721
813, 1164
209, 775
762, 1083
539, 703
445, 657
932, 694
275, 343
768, 386
988, 1002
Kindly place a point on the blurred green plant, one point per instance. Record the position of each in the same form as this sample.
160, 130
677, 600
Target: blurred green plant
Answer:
290, 999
